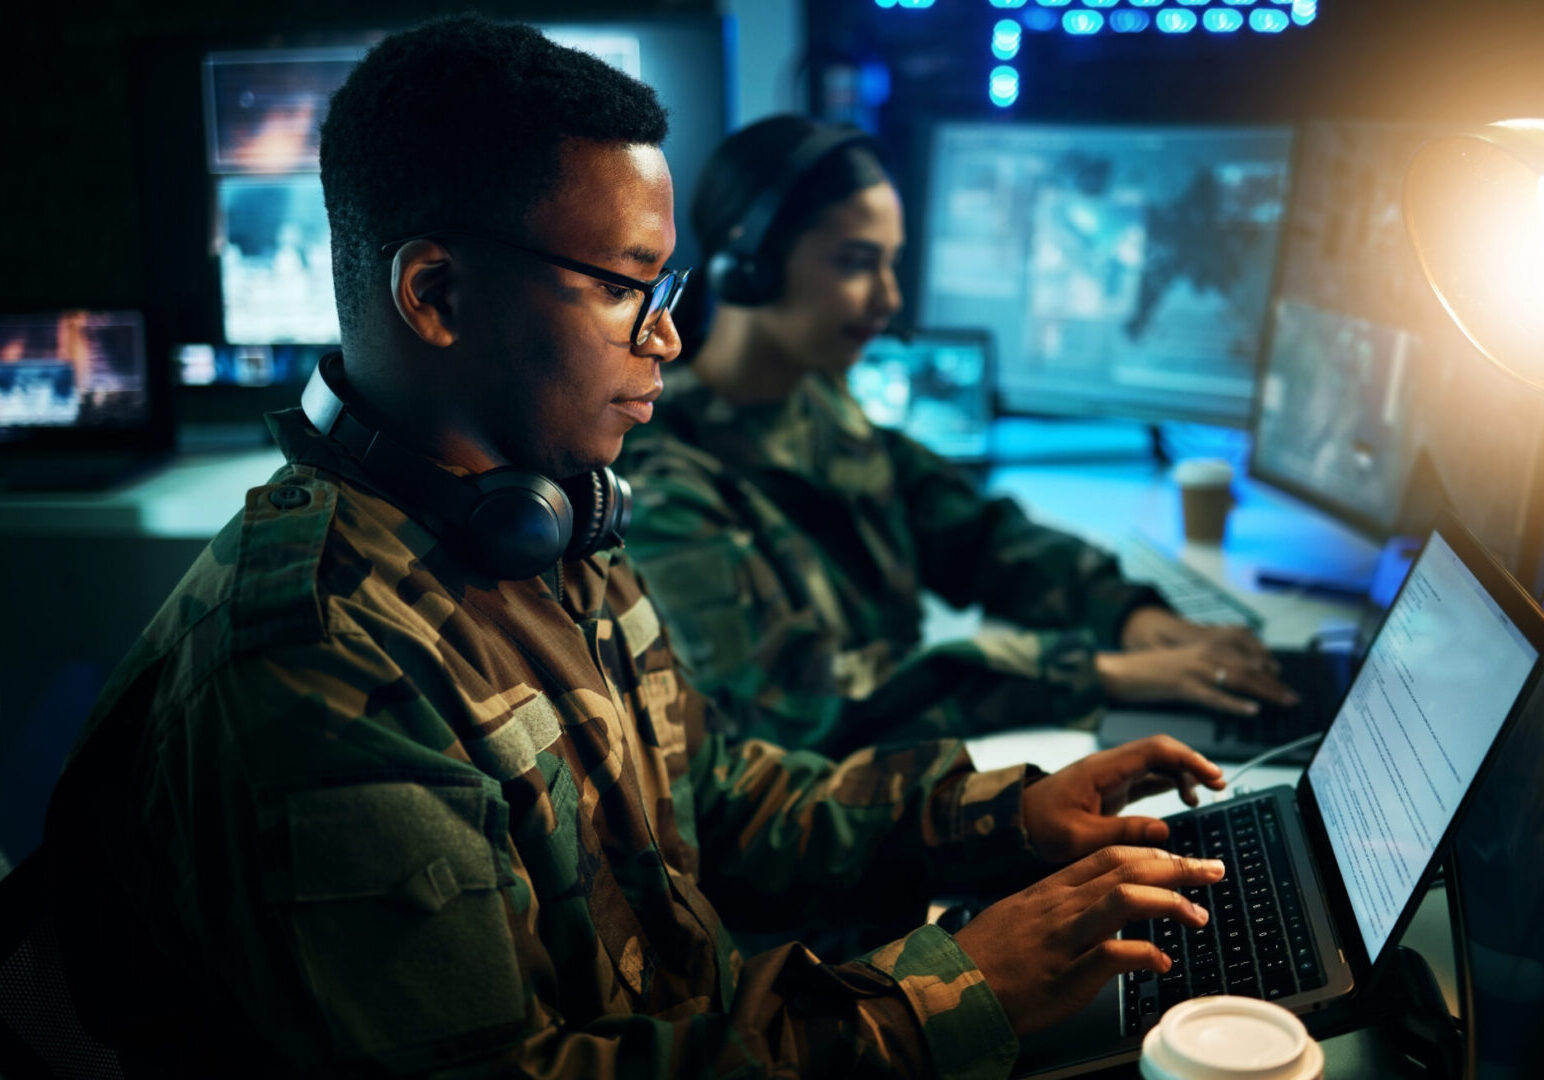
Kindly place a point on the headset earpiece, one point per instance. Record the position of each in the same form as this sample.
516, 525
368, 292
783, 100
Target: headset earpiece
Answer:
741, 273
506, 522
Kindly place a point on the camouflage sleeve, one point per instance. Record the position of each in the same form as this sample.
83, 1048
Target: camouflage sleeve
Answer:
754, 642
1026, 573
365, 896
787, 835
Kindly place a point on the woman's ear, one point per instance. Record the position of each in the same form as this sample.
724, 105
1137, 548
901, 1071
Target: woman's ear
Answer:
421, 274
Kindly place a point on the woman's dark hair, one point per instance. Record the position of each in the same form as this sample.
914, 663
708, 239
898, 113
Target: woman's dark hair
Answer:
738, 170
459, 122
746, 162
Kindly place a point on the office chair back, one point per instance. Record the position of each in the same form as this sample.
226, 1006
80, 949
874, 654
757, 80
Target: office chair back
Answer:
40, 1033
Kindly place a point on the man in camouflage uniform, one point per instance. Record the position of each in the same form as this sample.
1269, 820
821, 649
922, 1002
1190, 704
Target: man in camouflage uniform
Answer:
354, 805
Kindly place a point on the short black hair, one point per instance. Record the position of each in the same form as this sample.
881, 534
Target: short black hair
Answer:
458, 122
747, 162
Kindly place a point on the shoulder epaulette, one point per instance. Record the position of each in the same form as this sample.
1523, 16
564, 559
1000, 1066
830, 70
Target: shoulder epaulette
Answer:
275, 596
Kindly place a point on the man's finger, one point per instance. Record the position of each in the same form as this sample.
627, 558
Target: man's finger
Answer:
1097, 832
1111, 859
1127, 902
1163, 754
1106, 959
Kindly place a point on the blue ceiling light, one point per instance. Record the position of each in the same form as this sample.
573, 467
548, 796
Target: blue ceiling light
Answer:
1008, 3
1176, 21
1222, 20
1268, 20
1039, 19
1195, 3
1238, 3
884, 3
1126, 21
1100, 3
1053, 3
1146, 3
1003, 86
1006, 36
1304, 11
916, 3
1082, 23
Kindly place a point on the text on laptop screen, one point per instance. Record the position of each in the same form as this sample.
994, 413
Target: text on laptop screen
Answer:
72, 369
1437, 684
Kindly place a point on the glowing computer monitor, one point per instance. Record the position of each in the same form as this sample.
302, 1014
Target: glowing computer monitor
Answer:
1124, 271
932, 385
1372, 405
72, 371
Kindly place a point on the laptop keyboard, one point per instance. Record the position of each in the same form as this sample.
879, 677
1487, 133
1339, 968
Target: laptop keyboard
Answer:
1257, 942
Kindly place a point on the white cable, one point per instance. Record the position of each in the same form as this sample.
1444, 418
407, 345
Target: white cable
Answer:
1261, 759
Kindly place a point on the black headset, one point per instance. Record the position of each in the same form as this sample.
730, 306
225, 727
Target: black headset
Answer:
742, 273
505, 522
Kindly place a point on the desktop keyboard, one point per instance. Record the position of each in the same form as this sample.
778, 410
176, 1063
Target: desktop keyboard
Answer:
1257, 942
1191, 593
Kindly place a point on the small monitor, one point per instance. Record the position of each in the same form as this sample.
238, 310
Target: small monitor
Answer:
247, 365
933, 385
1372, 405
1124, 271
72, 371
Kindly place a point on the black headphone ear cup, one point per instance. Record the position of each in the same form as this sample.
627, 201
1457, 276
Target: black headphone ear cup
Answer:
603, 507
736, 278
521, 525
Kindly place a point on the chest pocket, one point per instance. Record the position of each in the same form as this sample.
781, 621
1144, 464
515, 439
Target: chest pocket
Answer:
392, 891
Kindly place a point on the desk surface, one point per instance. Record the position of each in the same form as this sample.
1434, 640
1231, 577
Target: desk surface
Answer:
189, 498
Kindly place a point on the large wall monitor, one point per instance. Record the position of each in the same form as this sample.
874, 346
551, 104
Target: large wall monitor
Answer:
1372, 405
1124, 271
263, 115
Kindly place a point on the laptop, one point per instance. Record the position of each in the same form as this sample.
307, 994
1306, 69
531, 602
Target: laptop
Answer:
935, 385
1324, 877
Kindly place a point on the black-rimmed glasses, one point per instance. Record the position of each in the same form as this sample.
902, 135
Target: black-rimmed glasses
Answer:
658, 296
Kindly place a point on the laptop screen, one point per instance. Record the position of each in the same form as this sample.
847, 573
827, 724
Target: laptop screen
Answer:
1437, 684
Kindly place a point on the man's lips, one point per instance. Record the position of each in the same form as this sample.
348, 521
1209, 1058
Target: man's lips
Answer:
640, 407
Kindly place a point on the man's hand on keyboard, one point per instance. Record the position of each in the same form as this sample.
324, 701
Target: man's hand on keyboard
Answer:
1222, 670
1047, 950
1073, 812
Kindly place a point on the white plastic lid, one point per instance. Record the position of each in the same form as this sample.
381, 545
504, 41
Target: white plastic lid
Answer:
1203, 472
1230, 1038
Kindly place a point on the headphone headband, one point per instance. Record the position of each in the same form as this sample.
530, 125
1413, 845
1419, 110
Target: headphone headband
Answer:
806, 154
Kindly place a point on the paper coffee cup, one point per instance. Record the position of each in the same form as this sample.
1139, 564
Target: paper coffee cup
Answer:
1206, 496
1230, 1038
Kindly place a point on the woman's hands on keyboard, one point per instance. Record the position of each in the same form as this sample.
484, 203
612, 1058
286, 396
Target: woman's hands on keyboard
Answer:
1226, 669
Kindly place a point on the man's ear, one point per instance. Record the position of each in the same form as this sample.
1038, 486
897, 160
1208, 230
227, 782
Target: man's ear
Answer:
421, 273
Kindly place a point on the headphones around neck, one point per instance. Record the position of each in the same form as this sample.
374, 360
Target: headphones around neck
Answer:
742, 273
505, 522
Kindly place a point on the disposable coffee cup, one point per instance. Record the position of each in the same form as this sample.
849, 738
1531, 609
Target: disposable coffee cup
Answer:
1206, 496
1230, 1038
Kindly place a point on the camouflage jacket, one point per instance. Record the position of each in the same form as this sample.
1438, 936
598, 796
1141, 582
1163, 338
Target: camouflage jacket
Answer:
787, 546
350, 807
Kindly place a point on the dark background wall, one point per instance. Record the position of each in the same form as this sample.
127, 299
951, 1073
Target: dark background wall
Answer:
81, 87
